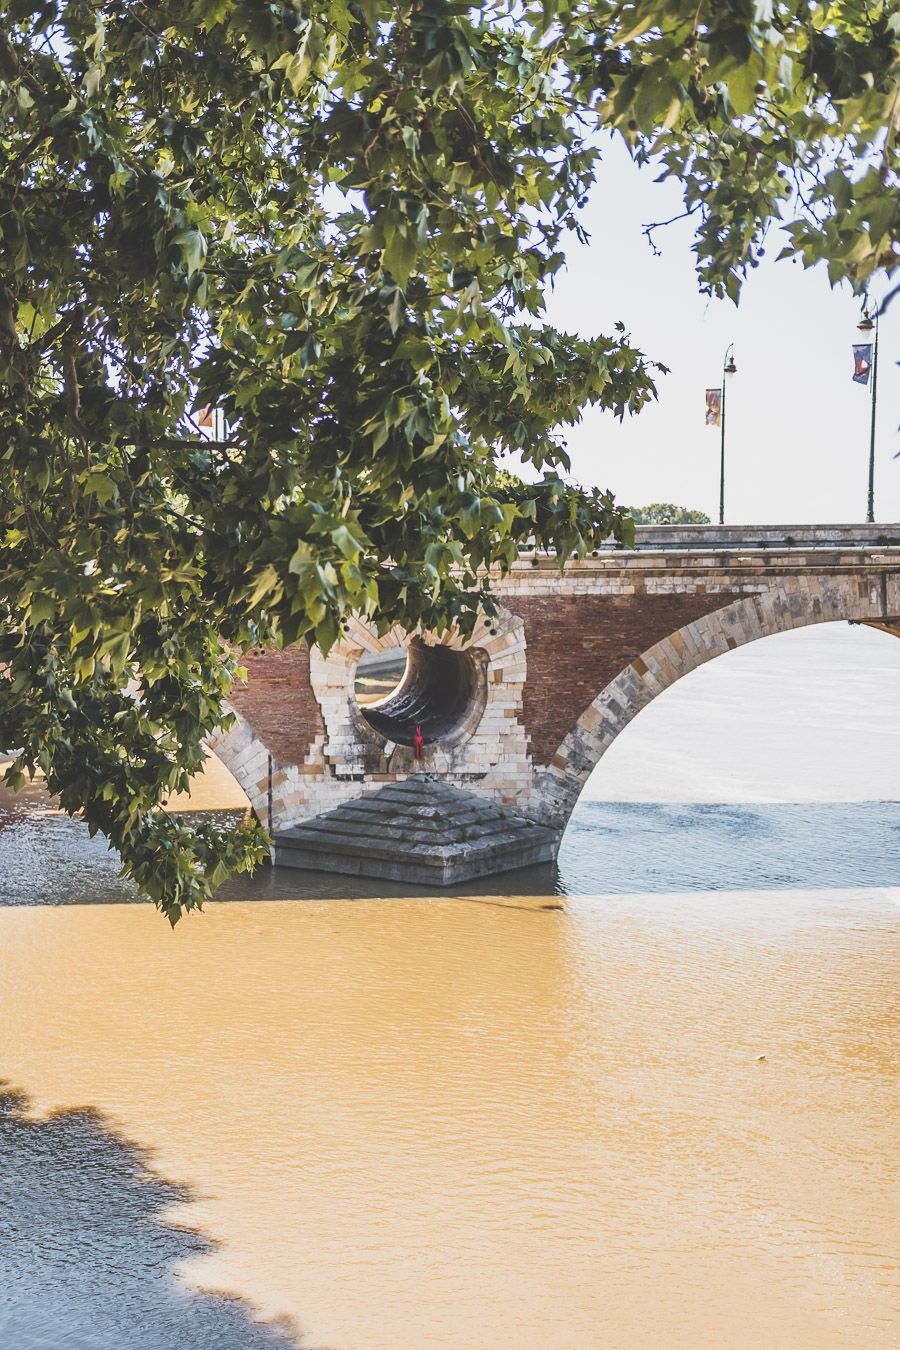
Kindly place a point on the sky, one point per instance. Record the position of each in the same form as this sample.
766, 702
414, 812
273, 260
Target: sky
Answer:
797, 426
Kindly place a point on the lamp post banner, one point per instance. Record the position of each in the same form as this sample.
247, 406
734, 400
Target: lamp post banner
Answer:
862, 362
713, 407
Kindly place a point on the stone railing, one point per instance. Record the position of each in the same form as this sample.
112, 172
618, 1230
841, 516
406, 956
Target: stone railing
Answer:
767, 536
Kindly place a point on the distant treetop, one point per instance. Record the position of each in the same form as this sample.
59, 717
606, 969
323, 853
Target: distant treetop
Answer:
666, 513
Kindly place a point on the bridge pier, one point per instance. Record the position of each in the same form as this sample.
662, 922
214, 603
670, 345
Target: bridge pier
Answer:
419, 831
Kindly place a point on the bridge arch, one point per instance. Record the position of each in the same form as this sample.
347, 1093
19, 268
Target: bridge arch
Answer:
247, 758
558, 786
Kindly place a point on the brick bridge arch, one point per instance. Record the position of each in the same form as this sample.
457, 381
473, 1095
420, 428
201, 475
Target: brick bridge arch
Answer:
557, 788
571, 659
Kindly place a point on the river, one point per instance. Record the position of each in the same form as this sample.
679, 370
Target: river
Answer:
647, 1098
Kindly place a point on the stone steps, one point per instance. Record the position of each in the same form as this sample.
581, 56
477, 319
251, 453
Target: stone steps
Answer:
417, 831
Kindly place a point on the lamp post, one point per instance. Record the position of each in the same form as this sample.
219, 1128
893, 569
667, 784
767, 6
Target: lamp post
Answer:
728, 368
867, 325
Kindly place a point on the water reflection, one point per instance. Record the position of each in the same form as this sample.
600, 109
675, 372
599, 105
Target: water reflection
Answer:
632, 848
48, 858
86, 1259
610, 848
622, 847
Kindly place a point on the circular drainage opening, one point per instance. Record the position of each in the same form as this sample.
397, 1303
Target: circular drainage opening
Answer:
435, 688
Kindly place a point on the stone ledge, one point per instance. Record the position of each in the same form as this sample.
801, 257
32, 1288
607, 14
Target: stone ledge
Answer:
418, 831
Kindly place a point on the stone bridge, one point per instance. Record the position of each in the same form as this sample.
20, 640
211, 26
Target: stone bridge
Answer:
515, 719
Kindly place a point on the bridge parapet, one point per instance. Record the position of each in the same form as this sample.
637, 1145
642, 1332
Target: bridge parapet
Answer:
686, 570
766, 536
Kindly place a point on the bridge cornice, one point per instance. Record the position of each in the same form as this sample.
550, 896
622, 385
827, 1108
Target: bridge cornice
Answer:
768, 549
761, 562
767, 536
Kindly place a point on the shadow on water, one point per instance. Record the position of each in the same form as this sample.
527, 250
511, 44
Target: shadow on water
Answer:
86, 1261
610, 848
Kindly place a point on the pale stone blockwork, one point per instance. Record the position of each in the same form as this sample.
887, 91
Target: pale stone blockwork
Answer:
352, 758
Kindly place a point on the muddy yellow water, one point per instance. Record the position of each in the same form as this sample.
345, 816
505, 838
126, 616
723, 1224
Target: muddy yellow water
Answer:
464, 1124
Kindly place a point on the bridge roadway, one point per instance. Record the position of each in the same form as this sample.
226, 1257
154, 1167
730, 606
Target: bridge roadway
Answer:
538, 694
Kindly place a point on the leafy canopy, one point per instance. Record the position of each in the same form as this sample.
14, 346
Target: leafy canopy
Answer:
336, 223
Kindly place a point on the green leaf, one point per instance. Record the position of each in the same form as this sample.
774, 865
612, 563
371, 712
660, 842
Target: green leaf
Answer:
263, 585
42, 608
193, 248
302, 557
395, 310
92, 77
101, 486
345, 541
400, 256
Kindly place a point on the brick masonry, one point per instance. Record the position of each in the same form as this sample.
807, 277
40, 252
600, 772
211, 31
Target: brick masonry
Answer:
278, 703
577, 644
571, 660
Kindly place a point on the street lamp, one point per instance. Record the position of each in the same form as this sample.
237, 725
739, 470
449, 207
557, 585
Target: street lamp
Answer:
866, 325
728, 368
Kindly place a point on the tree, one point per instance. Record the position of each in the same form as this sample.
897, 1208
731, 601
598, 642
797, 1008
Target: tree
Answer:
336, 222
666, 513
